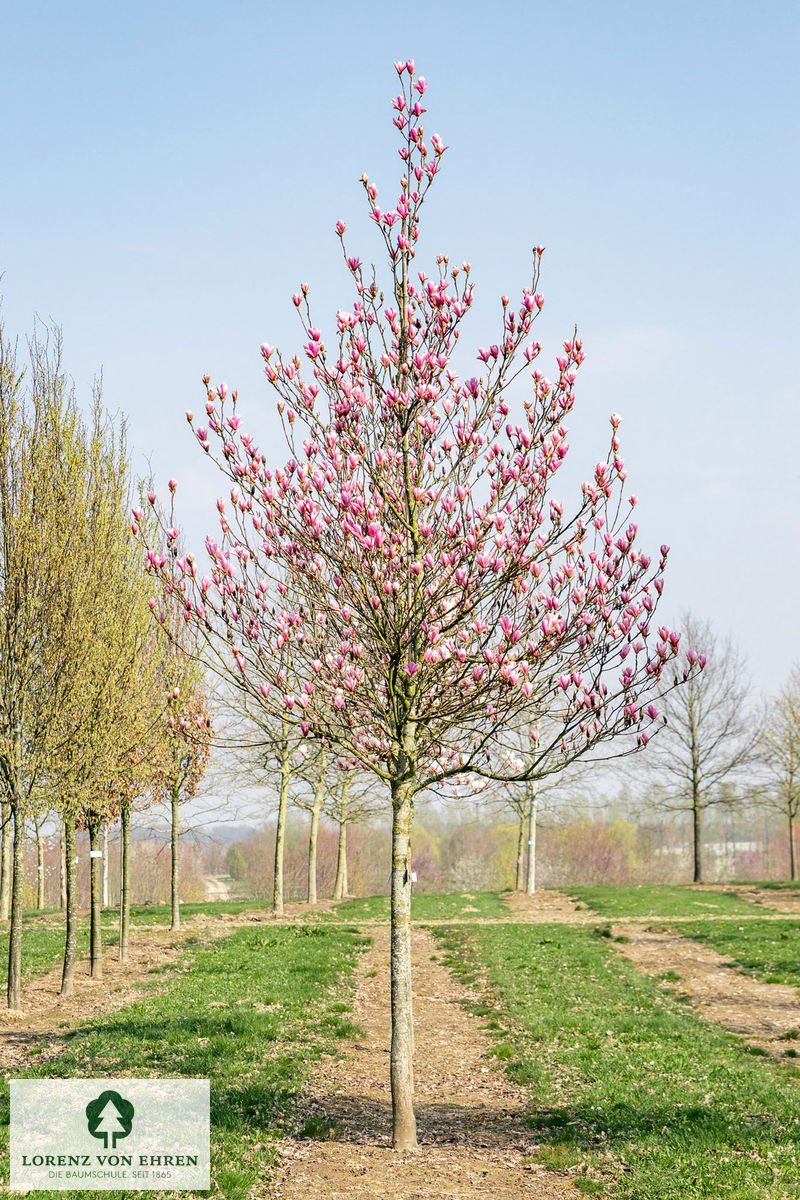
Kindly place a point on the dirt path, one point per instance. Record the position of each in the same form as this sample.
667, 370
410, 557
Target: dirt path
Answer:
545, 906
762, 1012
216, 888
471, 1119
779, 900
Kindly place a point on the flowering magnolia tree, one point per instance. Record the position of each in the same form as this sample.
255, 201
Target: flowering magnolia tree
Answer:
410, 555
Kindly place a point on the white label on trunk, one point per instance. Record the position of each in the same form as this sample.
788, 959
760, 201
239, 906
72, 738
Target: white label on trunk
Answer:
413, 876
95, 854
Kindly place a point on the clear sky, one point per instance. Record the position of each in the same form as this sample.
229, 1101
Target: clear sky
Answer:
172, 171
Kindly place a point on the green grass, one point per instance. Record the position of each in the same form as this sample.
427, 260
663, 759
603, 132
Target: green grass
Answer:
768, 950
626, 1083
661, 900
455, 906
161, 914
42, 949
250, 1014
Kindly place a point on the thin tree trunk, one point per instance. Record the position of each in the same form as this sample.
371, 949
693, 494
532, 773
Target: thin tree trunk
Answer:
6, 851
404, 1127
174, 836
319, 792
15, 934
95, 886
124, 880
63, 892
533, 807
340, 884
792, 863
105, 865
70, 948
312, 856
520, 854
39, 863
696, 806
340, 888
280, 834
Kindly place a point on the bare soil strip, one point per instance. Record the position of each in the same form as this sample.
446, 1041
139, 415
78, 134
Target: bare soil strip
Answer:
546, 906
780, 900
471, 1119
760, 1012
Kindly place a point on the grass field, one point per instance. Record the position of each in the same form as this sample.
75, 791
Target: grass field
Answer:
249, 1014
630, 1092
768, 950
42, 949
661, 900
459, 906
625, 1082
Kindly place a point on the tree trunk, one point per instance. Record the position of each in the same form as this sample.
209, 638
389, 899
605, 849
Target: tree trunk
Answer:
404, 1127
280, 837
124, 880
792, 863
105, 865
520, 854
533, 806
95, 886
340, 884
696, 798
15, 934
340, 887
319, 792
63, 892
39, 863
312, 856
696, 835
174, 836
70, 948
5, 860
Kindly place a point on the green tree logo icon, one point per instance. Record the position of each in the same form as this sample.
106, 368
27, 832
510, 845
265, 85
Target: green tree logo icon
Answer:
109, 1116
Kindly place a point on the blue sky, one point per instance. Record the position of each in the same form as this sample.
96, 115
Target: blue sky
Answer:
171, 172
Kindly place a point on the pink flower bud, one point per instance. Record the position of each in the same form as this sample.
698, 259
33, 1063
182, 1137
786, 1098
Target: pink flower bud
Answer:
189, 415
173, 483
151, 496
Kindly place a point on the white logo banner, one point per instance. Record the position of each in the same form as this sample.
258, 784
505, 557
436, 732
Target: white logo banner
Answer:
110, 1134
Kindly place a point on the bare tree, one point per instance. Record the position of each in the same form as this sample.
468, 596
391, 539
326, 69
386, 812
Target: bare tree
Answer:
351, 800
781, 753
711, 734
